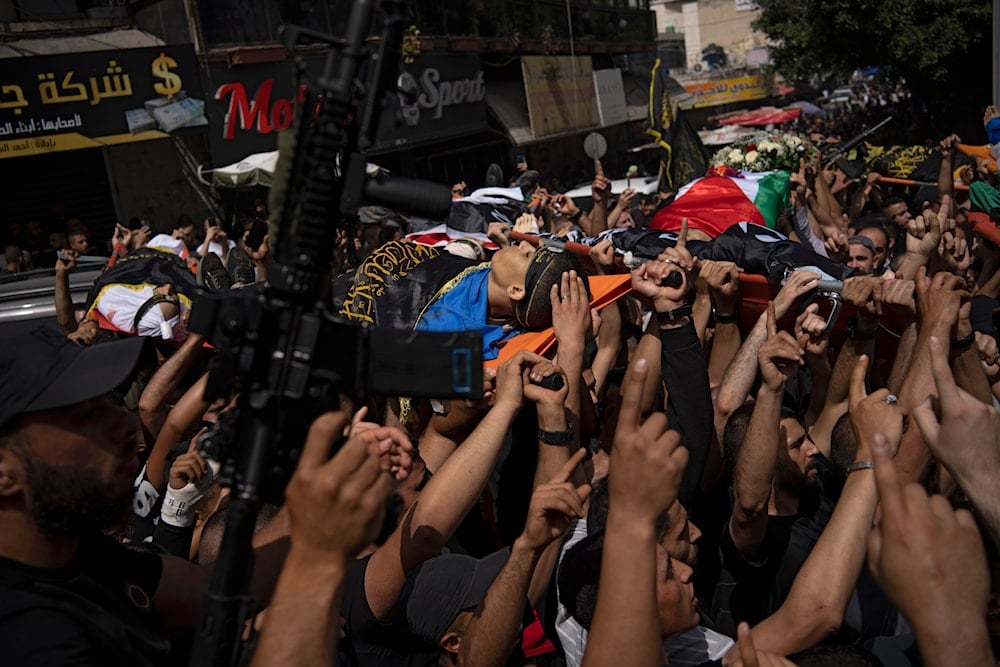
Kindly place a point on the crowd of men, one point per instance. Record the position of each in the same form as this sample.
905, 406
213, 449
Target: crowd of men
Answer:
712, 479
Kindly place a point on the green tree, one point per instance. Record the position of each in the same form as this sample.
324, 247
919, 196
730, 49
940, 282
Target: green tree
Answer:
941, 47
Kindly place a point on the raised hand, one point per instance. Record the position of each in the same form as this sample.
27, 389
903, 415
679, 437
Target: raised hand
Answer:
940, 298
66, 261
900, 295
651, 278
600, 189
188, 468
603, 256
864, 293
989, 356
647, 460
930, 561
780, 355
722, 279
954, 250
499, 233
335, 505
570, 308
871, 414
554, 505
836, 244
810, 331
798, 284
964, 433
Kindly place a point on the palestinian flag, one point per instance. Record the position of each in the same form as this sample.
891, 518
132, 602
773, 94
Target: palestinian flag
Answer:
441, 235
714, 203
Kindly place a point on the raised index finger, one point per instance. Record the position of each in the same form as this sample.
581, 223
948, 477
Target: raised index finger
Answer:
628, 416
566, 472
857, 391
598, 168
772, 320
682, 236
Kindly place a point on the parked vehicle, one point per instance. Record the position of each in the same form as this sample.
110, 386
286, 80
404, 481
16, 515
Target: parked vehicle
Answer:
28, 298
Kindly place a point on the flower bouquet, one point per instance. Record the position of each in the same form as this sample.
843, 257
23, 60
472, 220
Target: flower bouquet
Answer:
760, 152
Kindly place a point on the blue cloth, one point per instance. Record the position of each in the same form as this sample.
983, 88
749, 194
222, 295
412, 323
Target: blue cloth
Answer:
993, 130
465, 307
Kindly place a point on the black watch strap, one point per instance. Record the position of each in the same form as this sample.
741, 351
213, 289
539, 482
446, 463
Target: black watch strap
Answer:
725, 318
674, 316
556, 437
963, 342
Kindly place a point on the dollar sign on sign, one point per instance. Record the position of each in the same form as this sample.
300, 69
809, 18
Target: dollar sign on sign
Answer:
171, 82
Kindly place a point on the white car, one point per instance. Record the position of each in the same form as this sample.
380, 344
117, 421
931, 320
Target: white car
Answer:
644, 185
28, 299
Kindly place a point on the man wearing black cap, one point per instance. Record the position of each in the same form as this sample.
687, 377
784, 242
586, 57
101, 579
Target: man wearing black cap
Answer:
67, 461
69, 594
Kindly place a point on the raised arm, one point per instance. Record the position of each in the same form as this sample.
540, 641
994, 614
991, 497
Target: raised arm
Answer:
815, 606
757, 460
964, 434
929, 559
153, 401
335, 507
600, 190
739, 377
723, 281
682, 361
645, 471
860, 292
448, 496
490, 636
64, 300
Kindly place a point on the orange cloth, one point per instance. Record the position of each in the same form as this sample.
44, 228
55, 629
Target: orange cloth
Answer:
603, 290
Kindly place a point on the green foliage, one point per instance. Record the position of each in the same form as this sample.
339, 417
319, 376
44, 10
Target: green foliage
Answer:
940, 47
920, 39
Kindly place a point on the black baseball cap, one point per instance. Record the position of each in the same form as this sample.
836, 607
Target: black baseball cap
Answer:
43, 369
444, 586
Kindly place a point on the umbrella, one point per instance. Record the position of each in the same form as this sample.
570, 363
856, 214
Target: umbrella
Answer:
808, 108
255, 169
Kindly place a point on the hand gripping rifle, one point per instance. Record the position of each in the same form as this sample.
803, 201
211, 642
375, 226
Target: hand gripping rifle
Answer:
282, 349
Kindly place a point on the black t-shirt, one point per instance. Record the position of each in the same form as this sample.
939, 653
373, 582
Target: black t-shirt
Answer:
98, 610
370, 642
752, 589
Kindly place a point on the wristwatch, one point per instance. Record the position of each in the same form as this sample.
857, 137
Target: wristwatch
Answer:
963, 342
674, 316
556, 437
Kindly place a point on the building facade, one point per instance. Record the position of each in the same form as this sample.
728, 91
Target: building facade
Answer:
109, 110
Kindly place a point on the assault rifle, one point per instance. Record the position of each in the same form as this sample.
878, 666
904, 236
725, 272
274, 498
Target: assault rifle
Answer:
846, 146
281, 347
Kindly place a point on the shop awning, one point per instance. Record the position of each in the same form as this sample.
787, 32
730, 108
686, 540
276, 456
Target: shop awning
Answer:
507, 104
105, 41
509, 107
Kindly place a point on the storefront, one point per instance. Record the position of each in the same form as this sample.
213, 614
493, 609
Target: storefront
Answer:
438, 113
70, 124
